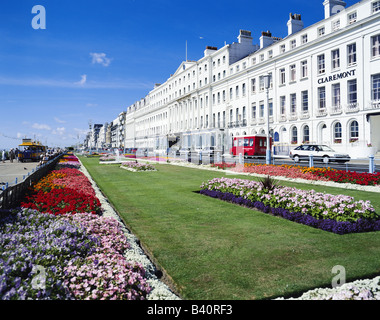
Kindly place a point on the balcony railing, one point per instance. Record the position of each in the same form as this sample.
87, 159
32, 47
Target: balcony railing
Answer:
373, 105
336, 109
322, 112
352, 107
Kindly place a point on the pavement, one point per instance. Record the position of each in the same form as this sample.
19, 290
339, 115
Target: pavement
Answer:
9, 171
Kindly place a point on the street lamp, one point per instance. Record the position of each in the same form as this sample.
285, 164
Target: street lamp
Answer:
267, 85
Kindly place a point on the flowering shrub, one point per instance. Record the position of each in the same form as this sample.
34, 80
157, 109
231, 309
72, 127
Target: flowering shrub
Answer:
137, 166
339, 214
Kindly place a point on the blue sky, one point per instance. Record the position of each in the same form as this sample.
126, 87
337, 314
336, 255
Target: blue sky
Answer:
95, 58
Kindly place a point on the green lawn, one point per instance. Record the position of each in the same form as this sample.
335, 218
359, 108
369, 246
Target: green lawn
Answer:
216, 250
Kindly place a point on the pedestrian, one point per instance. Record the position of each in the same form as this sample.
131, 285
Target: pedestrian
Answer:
11, 155
3, 156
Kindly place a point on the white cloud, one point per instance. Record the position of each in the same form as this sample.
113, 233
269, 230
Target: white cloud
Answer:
59, 120
41, 126
59, 131
82, 80
100, 58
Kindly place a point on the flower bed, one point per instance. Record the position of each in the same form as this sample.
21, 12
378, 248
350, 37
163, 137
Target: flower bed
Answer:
321, 174
339, 214
223, 165
64, 190
78, 257
137, 166
283, 171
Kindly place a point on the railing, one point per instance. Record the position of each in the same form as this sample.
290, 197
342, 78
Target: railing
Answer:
10, 196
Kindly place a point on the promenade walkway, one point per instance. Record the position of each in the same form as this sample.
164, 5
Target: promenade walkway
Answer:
10, 171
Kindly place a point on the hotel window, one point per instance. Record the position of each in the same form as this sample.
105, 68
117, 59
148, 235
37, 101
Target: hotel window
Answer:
224, 95
351, 54
375, 91
306, 134
231, 93
292, 76
321, 31
231, 70
304, 39
237, 68
270, 107
335, 95
282, 76
218, 97
335, 25
218, 62
354, 131
213, 78
352, 96
282, 48
218, 75
243, 90
261, 110
335, 59
253, 85
253, 61
282, 105
253, 110
304, 69
224, 73
375, 44
261, 57
224, 59
270, 54
244, 116
237, 92
322, 97
352, 17
293, 103
205, 80
205, 67
337, 133
305, 101
375, 6
244, 65
294, 135
293, 44
321, 64
261, 83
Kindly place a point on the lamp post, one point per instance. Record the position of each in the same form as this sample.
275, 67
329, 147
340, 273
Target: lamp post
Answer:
267, 85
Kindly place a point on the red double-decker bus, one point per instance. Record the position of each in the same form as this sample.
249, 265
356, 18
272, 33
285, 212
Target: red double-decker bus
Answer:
250, 146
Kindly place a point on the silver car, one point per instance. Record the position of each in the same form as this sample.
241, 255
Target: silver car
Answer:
320, 153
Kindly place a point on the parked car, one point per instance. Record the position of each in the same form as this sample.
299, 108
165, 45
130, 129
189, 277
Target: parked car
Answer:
320, 153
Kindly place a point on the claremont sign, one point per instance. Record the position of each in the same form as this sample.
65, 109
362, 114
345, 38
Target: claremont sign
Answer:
337, 76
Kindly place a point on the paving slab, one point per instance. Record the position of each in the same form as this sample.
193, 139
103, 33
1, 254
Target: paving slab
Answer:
9, 171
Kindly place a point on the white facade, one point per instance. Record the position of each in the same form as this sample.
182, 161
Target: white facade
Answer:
325, 88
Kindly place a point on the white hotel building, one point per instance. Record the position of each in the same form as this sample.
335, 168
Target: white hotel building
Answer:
325, 89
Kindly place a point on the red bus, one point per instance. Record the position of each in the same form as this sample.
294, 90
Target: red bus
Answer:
250, 146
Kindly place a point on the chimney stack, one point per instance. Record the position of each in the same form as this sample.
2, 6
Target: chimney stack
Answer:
295, 23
